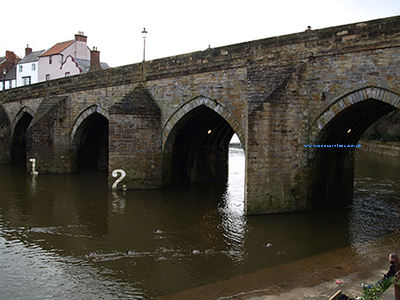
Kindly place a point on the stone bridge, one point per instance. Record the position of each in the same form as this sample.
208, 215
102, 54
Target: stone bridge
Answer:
172, 122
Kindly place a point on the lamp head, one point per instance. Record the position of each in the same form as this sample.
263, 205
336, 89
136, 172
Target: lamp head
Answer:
144, 33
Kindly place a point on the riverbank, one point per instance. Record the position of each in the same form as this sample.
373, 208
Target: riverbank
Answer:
350, 285
314, 278
388, 148
368, 270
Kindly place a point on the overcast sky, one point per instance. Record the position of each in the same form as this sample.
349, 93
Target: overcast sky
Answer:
174, 27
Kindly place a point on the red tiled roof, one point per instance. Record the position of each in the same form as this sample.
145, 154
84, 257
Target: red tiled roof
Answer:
57, 48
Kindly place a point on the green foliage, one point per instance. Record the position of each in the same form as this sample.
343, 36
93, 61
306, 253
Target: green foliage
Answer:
387, 127
378, 289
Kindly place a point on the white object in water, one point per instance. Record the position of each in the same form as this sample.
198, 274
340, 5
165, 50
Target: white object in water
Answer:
115, 174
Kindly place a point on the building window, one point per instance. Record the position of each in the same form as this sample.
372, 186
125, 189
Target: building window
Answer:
47, 76
50, 60
26, 80
20, 68
67, 74
33, 67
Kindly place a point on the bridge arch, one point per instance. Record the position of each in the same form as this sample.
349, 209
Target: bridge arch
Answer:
377, 101
84, 114
19, 127
336, 131
89, 140
196, 142
24, 110
197, 102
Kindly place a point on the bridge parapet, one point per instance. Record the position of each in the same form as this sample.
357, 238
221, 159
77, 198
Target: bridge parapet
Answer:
276, 51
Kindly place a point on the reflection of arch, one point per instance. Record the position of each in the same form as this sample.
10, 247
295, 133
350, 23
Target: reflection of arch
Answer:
84, 114
350, 99
196, 102
19, 116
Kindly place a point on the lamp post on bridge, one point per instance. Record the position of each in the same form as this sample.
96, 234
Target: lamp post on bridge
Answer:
4, 78
144, 34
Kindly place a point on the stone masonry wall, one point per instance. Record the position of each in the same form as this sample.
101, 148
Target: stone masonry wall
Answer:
45, 139
277, 89
5, 137
134, 139
276, 182
134, 146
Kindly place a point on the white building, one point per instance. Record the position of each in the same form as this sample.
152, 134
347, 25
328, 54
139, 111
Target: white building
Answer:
63, 59
27, 68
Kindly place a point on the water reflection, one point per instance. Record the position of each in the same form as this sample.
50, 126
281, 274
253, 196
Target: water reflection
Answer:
372, 212
32, 189
231, 207
118, 203
67, 236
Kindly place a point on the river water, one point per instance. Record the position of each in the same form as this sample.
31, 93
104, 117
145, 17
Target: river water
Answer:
68, 237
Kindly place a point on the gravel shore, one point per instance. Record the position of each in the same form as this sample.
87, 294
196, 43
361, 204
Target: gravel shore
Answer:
349, 285
315, 278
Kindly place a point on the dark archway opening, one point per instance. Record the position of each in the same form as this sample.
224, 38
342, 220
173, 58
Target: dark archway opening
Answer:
18, 144
197, 149
332, 168
91, 144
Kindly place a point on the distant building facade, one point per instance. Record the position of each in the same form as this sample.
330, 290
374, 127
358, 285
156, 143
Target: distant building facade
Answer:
66, 59
63, 59
9, 81
27, 68
7, 66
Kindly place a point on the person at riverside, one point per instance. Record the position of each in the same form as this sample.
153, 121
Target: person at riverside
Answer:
394, 267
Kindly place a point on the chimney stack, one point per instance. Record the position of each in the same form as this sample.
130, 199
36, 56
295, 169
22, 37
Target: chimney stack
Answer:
80, 37
28, 50
95, 59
